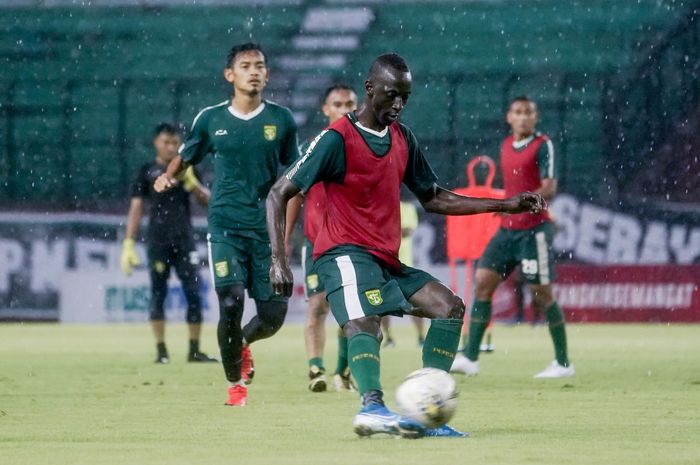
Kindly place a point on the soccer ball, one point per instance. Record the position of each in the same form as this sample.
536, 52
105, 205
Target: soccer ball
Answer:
428, 396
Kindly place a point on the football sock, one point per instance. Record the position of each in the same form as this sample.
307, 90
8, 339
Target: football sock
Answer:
557, 330
363, 356
441, 343
162, 351
479, 318
318, 361
194, 346
342, 355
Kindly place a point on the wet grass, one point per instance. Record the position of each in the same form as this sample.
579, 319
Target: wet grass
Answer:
91, 395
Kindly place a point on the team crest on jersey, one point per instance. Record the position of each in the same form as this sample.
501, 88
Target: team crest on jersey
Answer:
221, 269
312, 281
374, 296
270, 132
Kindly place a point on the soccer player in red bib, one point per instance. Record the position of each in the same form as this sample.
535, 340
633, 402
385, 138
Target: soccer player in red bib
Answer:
338, 100
362, 159
527, 162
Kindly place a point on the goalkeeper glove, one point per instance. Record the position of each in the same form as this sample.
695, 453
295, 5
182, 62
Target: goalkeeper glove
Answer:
130, 257
188, 179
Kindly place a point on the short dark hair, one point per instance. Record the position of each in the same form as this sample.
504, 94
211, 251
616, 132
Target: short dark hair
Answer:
240, 48
335, 87
167, 128
521, 98
390, 60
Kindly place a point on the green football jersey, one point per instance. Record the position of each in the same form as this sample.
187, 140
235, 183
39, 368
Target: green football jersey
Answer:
248, 151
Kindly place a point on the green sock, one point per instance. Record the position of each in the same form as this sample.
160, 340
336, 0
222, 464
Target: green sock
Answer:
479, 318
318, 361
557, 330
342, 354
363, 356
441, 343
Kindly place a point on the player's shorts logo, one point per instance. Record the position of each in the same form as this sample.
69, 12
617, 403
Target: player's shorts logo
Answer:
374, 296
159, 266
312, 281
221, 269
270, 132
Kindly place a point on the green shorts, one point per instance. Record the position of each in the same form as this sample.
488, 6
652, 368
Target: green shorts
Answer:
358, 284
312, 283
241, 260
530, 248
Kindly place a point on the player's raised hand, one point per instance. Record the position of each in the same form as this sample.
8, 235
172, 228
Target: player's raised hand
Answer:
164, 182
281, 278
526, 202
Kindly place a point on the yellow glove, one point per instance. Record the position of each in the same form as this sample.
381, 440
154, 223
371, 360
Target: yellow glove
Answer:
188, 179
130, 257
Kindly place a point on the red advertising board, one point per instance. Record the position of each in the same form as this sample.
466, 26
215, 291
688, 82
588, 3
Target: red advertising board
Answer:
658, 293
616, 293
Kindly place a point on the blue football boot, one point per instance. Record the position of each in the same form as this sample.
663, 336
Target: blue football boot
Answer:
445, 431
376, 418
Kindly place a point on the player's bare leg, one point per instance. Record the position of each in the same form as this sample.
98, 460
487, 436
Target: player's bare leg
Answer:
315, 338
386, 332
158, 328
486, 282
418, 323
544, 303
195, 355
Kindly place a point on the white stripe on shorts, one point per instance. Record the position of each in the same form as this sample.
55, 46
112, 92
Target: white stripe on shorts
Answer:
303, 271
211, 262
349, 283
542, 257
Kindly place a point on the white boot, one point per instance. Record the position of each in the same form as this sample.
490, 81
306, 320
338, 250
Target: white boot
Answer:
462, 364
554, 370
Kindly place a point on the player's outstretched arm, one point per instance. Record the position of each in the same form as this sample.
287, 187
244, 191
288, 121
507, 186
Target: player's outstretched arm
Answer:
445, 202
276, 212
168, 180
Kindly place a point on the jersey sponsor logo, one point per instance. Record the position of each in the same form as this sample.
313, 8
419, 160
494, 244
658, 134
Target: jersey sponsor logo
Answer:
221, 132
312, 282
374, 296
221, 269
270, 132
312, 145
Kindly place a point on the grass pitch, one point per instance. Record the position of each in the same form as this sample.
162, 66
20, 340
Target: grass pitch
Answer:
91, 395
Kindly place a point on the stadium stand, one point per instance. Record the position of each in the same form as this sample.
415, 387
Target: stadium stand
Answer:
81, 87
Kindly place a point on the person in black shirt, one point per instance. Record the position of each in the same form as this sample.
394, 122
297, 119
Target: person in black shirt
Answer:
169, 239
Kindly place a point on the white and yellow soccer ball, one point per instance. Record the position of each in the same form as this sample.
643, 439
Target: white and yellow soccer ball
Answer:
428, 396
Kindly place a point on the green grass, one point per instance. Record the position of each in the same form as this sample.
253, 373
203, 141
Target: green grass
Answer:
90, 395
